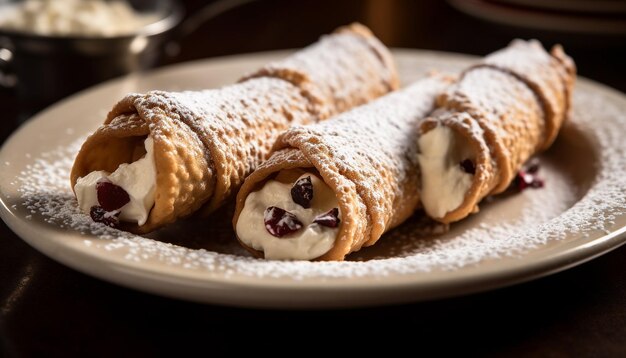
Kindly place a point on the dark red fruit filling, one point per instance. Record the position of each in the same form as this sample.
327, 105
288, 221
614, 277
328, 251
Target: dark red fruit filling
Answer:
329, 219
110, 196
524, 180
468, 166
528, 177
279, 222
98, 214
302, 192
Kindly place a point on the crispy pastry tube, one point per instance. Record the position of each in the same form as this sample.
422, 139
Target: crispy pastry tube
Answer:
204, 143
500, 113
331, 188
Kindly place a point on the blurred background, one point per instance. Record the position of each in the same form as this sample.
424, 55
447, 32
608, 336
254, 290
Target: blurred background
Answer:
592, 31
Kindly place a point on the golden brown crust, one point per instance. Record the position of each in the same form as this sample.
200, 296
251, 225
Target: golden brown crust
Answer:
351, 205
334, 86
551, 76
519, 98
202, 148
508, 112
207, 142
372, 166
467, 128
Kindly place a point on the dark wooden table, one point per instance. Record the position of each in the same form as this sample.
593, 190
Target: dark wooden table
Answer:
47, 309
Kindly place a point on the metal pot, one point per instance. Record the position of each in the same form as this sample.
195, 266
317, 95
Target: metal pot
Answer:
43, 69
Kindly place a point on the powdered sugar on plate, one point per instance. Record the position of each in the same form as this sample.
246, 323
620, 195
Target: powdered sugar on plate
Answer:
571, 207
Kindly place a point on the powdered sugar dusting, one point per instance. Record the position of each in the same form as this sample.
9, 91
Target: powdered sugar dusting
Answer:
544, 216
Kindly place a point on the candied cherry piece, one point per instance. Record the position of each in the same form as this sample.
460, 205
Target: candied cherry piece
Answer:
524, 180
108, 218
279, 222
468, 166
302, 192
329, 219
110, 196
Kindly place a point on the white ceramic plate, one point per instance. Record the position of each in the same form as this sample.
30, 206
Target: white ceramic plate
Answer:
579, 215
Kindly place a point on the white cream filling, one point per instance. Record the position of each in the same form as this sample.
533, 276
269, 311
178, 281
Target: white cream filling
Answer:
311, 241
444, 182
138, 179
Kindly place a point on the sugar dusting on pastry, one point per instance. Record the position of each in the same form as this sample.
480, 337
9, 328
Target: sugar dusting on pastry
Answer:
211, 140
506, 94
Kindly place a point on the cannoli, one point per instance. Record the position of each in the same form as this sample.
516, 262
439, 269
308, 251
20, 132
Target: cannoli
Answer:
501, 112
161, 155
333, 187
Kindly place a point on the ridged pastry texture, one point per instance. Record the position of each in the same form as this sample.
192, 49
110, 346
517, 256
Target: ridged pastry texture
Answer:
207, 142
508, 108
367, 156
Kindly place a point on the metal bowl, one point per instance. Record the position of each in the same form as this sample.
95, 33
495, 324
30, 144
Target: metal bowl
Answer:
43, 69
